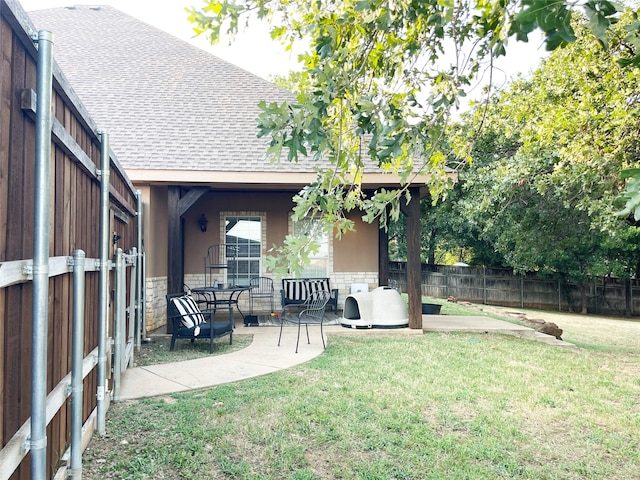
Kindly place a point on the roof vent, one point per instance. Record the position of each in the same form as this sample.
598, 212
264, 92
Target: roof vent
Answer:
90, 7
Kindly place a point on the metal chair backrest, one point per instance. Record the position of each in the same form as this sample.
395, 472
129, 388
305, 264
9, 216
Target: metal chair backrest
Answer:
261, 286
219, 257
315, 306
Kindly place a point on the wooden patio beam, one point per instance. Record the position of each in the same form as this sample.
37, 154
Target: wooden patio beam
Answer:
414, 268
175, 243
177, 207
190, 198
383, 257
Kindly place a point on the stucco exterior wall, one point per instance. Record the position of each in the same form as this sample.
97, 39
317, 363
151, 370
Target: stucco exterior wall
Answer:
155, 224
275, 206
357, 251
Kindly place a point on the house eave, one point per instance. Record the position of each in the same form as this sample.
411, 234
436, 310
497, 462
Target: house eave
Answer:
255, 180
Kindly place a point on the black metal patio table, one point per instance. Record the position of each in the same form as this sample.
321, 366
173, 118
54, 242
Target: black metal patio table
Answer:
226, 296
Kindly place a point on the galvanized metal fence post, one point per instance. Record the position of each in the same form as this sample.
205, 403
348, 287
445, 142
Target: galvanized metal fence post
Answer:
103, 283
140, 313
77, 356
40, 302
118, 323
132, 322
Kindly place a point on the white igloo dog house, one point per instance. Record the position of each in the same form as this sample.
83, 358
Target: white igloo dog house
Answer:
383, 307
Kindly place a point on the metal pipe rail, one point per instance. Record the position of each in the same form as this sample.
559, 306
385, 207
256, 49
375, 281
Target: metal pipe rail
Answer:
77, 349
123, 347
40, 300
21, 271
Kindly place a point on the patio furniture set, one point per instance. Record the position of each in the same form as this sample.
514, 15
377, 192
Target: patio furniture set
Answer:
192, 313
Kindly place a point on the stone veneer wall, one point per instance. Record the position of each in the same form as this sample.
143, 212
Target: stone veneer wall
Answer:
343, 281
196, 279
156, 303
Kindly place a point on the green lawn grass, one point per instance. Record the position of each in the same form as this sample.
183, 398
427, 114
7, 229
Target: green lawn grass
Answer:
156, 350
436, 406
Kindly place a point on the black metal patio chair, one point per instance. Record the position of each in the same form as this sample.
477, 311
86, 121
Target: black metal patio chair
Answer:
189, 322
261, 287
312, 314
220, 257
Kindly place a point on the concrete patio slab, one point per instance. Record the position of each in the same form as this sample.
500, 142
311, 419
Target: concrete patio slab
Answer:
478, 324
261, 357
482, 324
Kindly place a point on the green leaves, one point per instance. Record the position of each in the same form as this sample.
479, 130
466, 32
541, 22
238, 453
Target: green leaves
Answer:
631, 43
291, 257
381, 81
546, 165
290, 127
600, 15
630, 199
213, 17
555, 18
550, 16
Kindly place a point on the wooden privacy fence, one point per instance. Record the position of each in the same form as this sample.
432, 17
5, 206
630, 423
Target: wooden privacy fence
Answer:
124, 334
495, 286
92, 286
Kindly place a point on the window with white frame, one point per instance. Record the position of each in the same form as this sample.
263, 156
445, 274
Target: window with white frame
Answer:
245, 234
318, 266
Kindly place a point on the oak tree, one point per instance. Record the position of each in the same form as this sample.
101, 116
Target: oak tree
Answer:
382, 78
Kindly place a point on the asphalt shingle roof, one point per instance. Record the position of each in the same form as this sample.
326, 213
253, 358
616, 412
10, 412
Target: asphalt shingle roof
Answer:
167, 104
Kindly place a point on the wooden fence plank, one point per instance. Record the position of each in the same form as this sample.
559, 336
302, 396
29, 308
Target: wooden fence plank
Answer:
6, 48
6, 42
11, 456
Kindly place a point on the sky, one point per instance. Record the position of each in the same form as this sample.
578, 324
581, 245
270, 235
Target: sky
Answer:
253, 50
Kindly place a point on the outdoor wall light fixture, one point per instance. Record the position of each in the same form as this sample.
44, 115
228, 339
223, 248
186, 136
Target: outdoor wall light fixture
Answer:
202, 221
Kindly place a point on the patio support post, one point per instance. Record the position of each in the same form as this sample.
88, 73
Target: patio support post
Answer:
103, 283
383, 256
40, 301
175, 268
174, 246
177, 206
414, 266
77, 356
